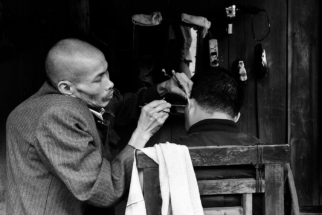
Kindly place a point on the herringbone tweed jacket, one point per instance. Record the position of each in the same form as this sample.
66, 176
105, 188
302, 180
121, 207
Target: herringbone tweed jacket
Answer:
54, 156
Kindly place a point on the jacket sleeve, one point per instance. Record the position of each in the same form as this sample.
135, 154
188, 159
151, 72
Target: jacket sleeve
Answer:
66, 146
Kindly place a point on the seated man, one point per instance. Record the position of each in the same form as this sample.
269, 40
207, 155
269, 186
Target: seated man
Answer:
213, 110
210, 119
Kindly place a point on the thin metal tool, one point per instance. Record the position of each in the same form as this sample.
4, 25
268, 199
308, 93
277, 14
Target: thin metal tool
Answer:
171, 113
172, 105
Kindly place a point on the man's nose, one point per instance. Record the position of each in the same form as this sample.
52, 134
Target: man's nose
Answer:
109, 84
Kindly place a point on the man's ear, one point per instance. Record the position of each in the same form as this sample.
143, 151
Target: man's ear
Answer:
189, 113
192, 105
237, 117
65, 88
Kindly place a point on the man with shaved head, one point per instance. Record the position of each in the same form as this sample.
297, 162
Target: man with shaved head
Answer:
62, 153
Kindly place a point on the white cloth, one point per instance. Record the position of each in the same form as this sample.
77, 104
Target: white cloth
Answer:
147, 20
197, 20
178, 182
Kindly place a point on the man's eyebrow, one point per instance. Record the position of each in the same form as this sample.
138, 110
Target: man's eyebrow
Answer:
100, 74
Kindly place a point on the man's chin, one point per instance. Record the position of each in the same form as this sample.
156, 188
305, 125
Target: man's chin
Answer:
106, 100
101, 104
105, 103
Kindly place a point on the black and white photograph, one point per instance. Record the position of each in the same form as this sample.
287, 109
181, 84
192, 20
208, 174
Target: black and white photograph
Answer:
160, 107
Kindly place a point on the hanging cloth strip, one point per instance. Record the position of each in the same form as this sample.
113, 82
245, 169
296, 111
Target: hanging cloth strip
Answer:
197, 20
178, 183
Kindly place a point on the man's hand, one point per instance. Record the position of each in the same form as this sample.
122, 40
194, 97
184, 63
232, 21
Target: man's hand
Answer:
180, 85
153, 116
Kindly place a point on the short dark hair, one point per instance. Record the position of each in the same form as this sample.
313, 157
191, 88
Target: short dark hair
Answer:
217, 90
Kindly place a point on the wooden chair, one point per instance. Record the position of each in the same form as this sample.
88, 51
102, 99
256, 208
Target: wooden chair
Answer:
269, 180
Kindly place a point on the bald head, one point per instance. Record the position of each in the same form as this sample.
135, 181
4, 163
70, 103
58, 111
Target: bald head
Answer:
68, 60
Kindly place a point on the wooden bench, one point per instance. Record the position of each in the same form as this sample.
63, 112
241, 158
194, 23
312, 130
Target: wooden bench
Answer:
269, 180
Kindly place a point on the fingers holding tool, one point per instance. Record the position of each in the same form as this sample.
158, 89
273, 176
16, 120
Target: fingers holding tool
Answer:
183, 83
153, 116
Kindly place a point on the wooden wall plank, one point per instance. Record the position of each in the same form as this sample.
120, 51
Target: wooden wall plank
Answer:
271, 90
240, 48
272, 109
250, 106
248, 118
304, 93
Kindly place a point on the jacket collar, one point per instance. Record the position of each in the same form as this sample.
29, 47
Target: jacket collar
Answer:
98, 114
214, 125
48, 88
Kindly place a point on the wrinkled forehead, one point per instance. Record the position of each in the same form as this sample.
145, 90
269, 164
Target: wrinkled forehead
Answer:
90, 66
77, 66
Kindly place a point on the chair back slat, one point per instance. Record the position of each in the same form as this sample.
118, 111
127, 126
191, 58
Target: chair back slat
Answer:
228, 186
229, 155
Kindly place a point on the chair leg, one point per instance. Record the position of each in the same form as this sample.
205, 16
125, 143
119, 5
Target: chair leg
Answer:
291, 184
274, 189
248, 204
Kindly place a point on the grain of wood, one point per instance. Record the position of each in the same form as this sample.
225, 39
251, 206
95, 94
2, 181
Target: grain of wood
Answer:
228, 186
223, 211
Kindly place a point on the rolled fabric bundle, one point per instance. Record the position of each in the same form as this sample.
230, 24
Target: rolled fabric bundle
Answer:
196, 20
147, 19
